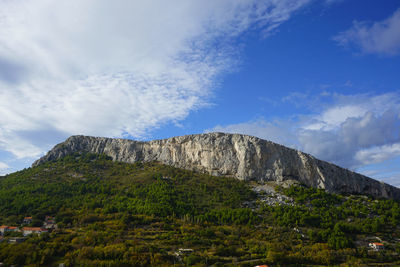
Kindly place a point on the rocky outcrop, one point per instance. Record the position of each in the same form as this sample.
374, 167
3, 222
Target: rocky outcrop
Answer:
241, 156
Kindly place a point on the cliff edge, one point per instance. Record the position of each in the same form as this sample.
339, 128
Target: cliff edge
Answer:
241, 156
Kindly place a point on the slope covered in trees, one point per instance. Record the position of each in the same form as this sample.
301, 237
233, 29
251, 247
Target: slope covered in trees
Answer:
118, 214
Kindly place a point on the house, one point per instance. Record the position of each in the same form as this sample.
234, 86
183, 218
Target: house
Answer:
49, 223
377, 246
183, 251
27, 220
13, 229
49, 220
33, 230
16, 240
261, 266
5, 228
50, 226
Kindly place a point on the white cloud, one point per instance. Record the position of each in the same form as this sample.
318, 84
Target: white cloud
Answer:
381, 37
378, 154
115, 68
388, 170
335, 116
350, 131
393, 180
3, 168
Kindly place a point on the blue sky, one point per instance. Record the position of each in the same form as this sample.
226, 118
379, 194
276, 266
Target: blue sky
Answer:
318, 76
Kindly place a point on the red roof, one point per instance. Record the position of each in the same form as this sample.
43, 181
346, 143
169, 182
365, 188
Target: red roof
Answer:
8, 227
378, 244
34, 229
28, 218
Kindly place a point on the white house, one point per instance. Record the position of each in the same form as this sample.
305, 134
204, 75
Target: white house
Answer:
5, 228
27, 220
33, 230
377, 246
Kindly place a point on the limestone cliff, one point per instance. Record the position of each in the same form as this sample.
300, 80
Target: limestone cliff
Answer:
241, 156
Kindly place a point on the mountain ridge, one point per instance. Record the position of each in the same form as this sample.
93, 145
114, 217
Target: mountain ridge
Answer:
241, 156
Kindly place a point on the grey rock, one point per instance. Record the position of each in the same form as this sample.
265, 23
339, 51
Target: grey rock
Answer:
241, 156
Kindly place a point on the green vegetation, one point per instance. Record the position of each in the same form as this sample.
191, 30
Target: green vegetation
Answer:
118, 214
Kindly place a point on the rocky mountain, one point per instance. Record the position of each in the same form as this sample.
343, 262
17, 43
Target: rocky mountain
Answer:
241, 156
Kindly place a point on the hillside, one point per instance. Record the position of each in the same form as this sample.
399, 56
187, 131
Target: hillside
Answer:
117, 214
233, 155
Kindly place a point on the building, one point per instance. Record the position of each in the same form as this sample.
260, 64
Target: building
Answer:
49, 223
5, 228
16, 240
183, 251
27, 220
13, 229
377, 246
50, 220
33, 230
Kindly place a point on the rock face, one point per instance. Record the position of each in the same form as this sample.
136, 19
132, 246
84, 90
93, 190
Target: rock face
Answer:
241, 156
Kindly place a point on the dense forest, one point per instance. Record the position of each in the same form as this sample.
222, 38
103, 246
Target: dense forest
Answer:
143, 214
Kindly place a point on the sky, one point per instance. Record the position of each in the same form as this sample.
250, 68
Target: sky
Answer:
321, 76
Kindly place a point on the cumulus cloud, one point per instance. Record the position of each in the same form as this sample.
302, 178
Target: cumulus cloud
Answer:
351, 131
117, 68
378, 153
382, 37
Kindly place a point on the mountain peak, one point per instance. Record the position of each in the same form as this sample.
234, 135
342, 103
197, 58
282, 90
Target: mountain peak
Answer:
241, 156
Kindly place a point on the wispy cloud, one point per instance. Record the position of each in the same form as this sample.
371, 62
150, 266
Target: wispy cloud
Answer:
117, 68
388, 170
378, 154
3, 168
382, 37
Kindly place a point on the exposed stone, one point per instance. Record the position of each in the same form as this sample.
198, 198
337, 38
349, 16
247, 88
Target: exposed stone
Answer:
241, 156
269, 196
